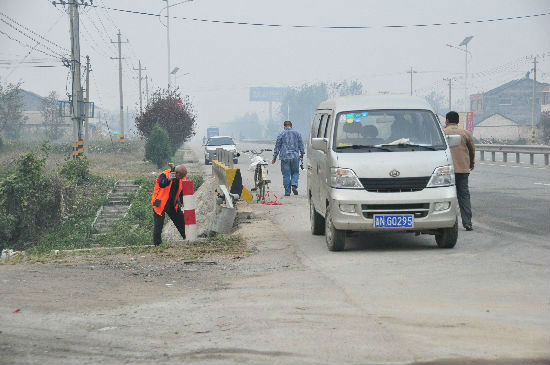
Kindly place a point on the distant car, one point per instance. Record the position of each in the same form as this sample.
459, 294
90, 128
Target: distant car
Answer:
213, 143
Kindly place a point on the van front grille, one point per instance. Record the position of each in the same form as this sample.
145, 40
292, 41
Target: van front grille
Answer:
420, 210
397, 184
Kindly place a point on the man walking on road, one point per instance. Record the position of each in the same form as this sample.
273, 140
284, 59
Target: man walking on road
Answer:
290, 149
165, 199
463, 160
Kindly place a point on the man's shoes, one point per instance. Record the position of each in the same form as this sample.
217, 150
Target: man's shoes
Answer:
287, 194
295, 189
468, 227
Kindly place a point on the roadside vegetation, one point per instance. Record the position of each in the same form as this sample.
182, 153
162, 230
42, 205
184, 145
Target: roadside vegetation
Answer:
49, 201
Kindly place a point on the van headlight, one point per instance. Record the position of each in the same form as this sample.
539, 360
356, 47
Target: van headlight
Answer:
442, 176
344, 179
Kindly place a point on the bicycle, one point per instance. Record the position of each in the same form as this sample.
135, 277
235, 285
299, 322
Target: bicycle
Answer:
259, 165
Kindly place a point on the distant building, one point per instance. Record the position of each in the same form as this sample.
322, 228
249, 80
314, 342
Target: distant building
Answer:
32, 106
501, 128
510, 108
545, 107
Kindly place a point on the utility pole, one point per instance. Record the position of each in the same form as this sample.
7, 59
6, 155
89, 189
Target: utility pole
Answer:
168, 38
450, 85
119, 58
146, 90
411, 72
76, 101
87, 102
140, 78
534, 103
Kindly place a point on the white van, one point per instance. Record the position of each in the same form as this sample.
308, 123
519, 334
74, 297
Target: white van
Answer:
380, 163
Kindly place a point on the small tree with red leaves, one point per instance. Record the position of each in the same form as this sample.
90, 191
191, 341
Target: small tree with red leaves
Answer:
172, 112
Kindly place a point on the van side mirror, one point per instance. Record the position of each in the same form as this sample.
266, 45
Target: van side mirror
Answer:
320, 144
454, 140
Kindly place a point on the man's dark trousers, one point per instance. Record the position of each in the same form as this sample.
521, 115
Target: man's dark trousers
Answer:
175, 216
463, 195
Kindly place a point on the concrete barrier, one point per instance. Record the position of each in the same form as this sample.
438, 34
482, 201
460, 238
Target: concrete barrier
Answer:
231, 178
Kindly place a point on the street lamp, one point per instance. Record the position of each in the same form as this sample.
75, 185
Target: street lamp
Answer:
168, 31
174, 72
465, 50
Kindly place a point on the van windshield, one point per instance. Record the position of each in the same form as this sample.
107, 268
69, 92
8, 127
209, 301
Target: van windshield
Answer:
394, 130
219, 141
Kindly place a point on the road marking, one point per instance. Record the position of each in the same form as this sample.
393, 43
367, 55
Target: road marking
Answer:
502, 165
539, 184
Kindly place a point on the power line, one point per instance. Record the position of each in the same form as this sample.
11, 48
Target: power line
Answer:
33, 39
35, 33
336, 27
29, 46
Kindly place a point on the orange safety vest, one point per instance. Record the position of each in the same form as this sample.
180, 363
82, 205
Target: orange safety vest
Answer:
162, 194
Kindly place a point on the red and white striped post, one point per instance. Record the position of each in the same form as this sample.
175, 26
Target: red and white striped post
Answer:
189, 210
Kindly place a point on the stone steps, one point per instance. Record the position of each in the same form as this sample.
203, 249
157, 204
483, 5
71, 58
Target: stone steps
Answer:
117, 207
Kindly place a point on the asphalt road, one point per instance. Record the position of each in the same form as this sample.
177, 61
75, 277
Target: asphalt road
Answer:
488, 298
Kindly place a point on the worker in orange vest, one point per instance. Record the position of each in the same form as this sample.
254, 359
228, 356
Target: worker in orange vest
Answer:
165, 199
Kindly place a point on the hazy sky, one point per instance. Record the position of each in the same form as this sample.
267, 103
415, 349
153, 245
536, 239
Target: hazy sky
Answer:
224, 60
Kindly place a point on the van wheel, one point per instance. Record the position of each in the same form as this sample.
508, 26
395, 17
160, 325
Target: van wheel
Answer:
317, 220
446, 237
336, 239
206, 162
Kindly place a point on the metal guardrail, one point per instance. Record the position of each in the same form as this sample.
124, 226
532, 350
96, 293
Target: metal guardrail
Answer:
517, 149
258, 141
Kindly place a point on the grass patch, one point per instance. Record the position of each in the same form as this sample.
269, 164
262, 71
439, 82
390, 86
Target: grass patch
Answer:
76, 231
230, 246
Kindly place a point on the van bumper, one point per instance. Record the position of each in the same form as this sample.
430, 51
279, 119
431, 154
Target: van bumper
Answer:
420, 203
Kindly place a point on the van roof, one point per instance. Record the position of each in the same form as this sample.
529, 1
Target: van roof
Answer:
370, 102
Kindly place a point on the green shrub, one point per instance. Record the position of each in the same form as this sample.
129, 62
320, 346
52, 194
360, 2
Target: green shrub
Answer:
197, 181
30, 201
76, 170
158, 149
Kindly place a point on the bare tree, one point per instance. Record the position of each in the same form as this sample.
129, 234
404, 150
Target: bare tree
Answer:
11, 110
51, 115
437, 101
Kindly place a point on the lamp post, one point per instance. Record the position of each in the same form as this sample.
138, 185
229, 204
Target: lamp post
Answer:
168, 31
465, 50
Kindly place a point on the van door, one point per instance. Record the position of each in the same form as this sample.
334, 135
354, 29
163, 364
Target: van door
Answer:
324, 164
312, 158
318, 160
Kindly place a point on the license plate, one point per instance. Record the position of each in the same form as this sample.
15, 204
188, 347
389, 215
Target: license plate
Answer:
394, 221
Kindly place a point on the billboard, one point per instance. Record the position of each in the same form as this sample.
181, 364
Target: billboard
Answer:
466, 121
268, 93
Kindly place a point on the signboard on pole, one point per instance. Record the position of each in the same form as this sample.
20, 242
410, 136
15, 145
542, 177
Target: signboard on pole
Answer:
268, 93
470, 121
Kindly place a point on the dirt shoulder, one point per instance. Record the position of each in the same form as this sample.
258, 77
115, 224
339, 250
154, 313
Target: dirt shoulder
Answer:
50, 312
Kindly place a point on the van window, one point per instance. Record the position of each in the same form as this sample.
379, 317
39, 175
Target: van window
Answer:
322, 125
418, 128
315, 125
327, 129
